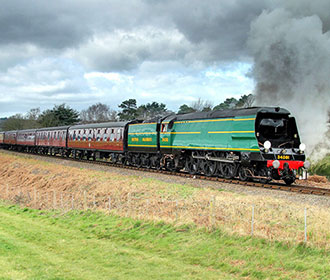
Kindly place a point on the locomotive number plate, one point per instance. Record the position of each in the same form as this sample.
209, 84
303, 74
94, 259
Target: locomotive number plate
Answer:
284, 157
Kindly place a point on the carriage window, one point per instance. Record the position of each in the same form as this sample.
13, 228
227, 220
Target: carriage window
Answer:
112, 135
98, 136
105, 135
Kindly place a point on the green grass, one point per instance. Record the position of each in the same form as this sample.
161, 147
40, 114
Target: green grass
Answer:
38, 244
322, 167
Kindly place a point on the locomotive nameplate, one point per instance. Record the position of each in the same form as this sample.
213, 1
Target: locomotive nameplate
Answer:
284, 157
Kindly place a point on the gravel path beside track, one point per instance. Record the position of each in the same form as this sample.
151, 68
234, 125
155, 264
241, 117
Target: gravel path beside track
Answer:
243, 190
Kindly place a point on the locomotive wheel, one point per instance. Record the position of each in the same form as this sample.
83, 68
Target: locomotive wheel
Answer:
243, 174
113, 158
289, 181
209, 168
126, 160
155, 162
228, 170
137, 161
263, 172
220, 169
169, 165
146, 161
192, 165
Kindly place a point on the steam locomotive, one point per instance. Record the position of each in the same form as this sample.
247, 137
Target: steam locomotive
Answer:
258, 143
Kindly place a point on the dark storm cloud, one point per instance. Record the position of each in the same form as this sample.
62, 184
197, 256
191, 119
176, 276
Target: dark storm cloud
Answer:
221, 26
186, 31
43, 23
211, 30
62, 23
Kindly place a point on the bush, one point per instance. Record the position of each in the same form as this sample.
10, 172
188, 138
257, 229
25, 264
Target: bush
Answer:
322, 167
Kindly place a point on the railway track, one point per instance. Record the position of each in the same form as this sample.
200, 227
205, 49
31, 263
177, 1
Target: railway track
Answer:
274, 186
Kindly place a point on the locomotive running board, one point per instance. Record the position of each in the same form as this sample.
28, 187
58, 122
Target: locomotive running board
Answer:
214, 159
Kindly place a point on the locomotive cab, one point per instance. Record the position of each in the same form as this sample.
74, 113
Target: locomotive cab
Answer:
280, 146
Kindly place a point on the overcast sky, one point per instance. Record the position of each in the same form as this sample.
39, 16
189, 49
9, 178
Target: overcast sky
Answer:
81, 52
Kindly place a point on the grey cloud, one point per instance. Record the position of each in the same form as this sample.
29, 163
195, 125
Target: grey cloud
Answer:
61, 24
43, 23
221, 26
212, 30
122, 50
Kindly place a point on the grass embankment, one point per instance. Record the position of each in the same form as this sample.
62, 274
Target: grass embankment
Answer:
322, 167
22, 179
37, 244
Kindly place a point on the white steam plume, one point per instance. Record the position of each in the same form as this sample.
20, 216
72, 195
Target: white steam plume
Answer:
291, 50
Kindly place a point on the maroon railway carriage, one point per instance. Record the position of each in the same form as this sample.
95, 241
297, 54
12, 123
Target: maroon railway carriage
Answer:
10, 139
52, 140
26, 140
100, 140
2, 136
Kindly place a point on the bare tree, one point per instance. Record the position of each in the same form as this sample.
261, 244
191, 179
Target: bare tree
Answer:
201, 105
98, 113
33, 114
250, 100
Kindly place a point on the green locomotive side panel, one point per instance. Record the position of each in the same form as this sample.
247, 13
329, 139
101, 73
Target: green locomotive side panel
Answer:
143, 135
236, 133
243, 134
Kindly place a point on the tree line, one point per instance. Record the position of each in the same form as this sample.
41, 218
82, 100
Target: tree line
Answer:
61, 115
